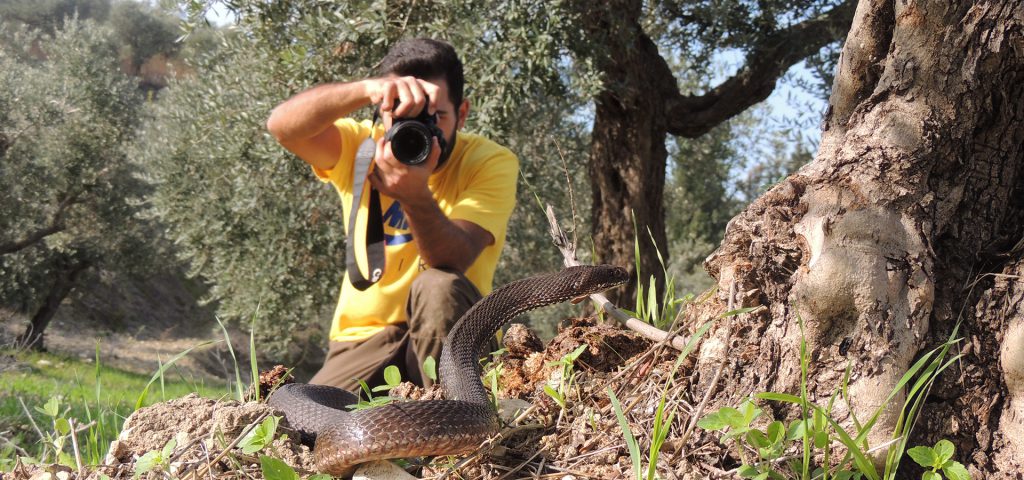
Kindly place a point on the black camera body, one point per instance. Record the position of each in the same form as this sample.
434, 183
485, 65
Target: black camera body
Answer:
411, 137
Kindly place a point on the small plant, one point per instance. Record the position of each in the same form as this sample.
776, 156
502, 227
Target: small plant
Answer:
491, 378
662, 419
54, 442
817, 430
567, 377
392, 378
159, 458
276, 469
939, 461
260, 437
648, 307
430, 368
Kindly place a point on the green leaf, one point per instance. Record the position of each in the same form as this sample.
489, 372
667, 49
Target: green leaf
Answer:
739, 311
321, 476
259, 437
779, 397
733, 417
712, 421
747, 471
943, 451
955, 470
757, 439
924, 456
750, 412
776, 432
820, 439
573, 355
930, 475
146, 462
797, 430
274, 469
168, 449
554, 394
62, 426
430, 368
51, 408
392, 375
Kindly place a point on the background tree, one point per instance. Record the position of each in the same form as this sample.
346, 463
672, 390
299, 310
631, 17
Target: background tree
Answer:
907, 224
630, 43
65, 178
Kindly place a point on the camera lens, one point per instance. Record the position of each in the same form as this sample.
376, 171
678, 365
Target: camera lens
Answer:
410, 142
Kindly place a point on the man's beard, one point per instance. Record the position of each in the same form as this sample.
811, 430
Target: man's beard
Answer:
447, 151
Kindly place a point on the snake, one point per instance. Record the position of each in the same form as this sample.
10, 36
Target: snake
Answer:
343, 439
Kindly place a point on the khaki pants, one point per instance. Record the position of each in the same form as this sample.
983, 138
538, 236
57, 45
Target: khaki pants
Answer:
437, 299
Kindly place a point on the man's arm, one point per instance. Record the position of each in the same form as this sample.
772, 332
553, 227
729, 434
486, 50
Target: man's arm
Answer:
442, 242
303, 124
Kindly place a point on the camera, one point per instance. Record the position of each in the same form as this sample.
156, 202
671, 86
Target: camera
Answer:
411, 137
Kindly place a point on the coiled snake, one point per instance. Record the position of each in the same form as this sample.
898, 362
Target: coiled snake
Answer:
344, 439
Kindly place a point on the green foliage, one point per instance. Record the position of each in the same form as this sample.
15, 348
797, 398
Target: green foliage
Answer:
567, 376
275, 469
94, 397
48, 16
159, 459
817, 430
259, 437
430, 368
939, 459
65, 175
144, 32
627, 433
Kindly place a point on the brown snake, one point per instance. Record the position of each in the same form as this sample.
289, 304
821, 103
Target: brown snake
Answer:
344, 439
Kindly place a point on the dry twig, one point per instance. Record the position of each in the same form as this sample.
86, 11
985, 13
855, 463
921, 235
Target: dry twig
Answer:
645, 329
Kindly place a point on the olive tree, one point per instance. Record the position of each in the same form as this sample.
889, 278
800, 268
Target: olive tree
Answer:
69, 190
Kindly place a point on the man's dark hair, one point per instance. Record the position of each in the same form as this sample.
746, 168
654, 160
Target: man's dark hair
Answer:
427, 59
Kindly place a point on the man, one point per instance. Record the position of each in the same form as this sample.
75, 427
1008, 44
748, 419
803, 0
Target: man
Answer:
444, 220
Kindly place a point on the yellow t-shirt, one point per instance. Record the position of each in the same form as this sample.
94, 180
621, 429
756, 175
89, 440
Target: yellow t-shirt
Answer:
477, 184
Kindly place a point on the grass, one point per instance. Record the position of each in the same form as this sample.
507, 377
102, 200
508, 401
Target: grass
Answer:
93, 395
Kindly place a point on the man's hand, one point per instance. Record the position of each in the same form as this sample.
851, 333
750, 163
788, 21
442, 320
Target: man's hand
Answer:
405, 183
412, 94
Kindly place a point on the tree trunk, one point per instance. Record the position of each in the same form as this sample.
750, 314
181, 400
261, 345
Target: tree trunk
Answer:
640, 104
63, 284
627, 152
909, 221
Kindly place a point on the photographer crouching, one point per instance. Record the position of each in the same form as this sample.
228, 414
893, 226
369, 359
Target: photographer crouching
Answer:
425, 208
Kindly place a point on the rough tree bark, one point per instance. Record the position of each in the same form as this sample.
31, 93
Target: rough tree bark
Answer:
910, 220
63, 283
641, 105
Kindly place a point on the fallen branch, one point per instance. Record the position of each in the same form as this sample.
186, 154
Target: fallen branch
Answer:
645, 329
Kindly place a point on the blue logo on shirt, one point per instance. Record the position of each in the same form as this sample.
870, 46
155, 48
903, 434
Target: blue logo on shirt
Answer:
394, 217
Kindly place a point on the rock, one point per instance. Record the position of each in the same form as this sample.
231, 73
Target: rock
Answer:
380, 470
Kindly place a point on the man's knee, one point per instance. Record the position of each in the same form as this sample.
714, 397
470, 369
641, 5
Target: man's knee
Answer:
438, 281
438, 298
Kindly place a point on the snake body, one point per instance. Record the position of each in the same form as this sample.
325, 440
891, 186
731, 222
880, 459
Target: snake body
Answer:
344, 439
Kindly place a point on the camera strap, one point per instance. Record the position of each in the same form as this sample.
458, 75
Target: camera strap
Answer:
374, 235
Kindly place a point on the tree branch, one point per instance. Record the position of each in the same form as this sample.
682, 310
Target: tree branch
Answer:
692, 116
860, 63
55, 225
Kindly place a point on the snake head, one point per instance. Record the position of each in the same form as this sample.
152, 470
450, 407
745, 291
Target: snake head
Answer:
588, 279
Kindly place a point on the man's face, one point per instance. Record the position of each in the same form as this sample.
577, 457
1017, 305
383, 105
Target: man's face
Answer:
450, 118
